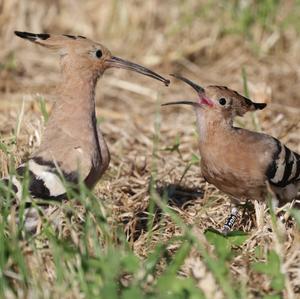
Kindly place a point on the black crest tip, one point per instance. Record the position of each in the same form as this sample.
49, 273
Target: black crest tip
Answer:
259, 106
32, 36
70, 36
26, 35
43, 36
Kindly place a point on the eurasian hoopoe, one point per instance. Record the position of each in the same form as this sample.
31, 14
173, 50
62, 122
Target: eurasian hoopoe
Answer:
237, 161
73, 146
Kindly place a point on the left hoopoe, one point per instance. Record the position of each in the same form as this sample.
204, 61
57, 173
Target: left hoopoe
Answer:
72, 147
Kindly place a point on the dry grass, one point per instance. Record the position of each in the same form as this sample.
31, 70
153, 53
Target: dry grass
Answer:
196, 38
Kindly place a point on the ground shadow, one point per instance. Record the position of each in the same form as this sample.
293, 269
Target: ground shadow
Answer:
176, 195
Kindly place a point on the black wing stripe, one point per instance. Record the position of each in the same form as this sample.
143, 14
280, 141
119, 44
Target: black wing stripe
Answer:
297, 174
272, 169
71, 177
285, 166
288, 166
70, 36
44, 179
37, 187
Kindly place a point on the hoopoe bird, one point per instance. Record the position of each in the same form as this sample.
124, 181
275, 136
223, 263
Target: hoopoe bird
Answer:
239, 162
72, 147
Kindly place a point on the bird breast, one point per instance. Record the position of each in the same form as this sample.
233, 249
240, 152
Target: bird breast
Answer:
235, 163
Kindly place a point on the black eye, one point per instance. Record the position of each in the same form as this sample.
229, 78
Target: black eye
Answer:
99, 53
222, 101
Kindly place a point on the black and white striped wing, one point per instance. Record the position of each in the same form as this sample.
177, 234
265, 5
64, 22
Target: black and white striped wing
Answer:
44, 178
284, 169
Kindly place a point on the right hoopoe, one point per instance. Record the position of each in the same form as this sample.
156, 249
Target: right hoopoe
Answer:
73, 147
237, 161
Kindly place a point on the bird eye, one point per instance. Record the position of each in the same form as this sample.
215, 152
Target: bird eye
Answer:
99, 54
222, 101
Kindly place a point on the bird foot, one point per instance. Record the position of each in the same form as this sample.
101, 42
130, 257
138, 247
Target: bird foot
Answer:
229, 221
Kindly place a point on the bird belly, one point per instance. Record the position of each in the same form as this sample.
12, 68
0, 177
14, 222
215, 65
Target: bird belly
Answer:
238, 184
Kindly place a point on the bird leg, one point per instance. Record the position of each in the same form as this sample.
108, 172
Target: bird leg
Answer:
230, 221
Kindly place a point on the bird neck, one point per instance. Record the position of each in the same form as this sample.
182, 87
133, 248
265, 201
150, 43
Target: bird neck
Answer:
73, 113
77, 89
75, 98
210, 124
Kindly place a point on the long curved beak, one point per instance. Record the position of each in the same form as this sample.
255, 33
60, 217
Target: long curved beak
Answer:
203, 100
128, 65
191, 103
198, 88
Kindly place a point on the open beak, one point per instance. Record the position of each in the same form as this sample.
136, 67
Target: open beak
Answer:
200, 90
203, 100
127, 65
195, 104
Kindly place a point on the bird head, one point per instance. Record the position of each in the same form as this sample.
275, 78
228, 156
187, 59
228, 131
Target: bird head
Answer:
80, 54
219, 100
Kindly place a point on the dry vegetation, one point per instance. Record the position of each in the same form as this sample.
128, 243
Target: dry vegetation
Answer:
208, 41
